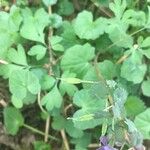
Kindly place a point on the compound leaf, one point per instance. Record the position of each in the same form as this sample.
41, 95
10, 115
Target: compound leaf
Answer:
38, 50
76, 58
17, 57
84, 117
52, 100
86, 28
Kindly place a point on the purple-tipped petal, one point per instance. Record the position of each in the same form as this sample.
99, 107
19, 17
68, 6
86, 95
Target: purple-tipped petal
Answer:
105, 148
104, 140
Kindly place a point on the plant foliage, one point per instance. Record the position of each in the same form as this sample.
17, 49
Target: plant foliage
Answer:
84, 64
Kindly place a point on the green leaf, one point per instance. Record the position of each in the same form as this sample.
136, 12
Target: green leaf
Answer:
40, 145
33, 26
146, 43
117, 34
106, 68
38, 50
133, 69
13, 120
134, 18
17, 57
55, 43
55, 20
84, 117
98, 91
145, 88
146, 52
47, 82
8, 36
86, 28
16, 102
68, 35
29, 99
59, 123
15, 18
73, 131
21, 81
67, 87
33, 83
52, 100
76, 60
142, 122
6, 70
17, 83
49, 2
82, 142
134, 106
65, 7
118, 7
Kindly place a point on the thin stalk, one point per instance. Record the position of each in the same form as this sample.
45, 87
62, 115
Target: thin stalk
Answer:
50, 33
39, 132
63, 134
47, 128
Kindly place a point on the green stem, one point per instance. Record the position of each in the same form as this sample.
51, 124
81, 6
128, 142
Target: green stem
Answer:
39, 132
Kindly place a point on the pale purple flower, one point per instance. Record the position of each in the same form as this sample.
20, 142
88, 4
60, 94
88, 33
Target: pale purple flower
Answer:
104, 144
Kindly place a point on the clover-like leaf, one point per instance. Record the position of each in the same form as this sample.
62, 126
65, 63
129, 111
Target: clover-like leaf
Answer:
73, 131
47, 82
86, 28
33, 26
118, 7
59, 122
38, 50
135, 18
9, 25
15, 18
33, 84
117, 34
13, 120
55, 43
133, 69
17, 56
76, 59
84, 117
18, 103
23, 81
68, 35
52, 100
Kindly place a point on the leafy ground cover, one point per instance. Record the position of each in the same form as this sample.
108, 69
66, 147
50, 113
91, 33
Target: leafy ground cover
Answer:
74, 74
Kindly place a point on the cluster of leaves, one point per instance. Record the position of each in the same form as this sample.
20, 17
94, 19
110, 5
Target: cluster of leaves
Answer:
98, 67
